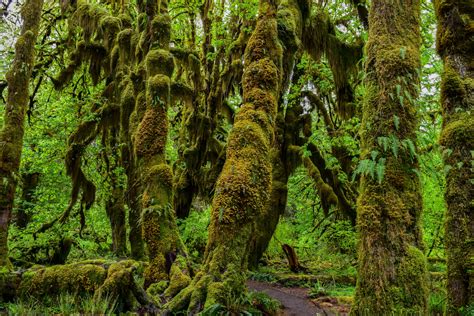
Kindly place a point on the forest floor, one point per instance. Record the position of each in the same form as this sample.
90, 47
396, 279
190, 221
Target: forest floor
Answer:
296, 301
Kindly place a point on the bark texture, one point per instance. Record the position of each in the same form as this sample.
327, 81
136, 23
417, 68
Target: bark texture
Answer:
455, 44
11, 136
391, 263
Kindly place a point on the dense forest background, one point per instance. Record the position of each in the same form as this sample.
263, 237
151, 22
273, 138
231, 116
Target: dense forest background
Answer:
174, 150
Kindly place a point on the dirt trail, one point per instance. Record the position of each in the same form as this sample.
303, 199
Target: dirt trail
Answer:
294, 300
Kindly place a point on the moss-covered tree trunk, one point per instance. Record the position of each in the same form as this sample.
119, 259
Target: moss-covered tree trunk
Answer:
455, 45
165, 249
391, 264
115, 205
11, 136
244, 186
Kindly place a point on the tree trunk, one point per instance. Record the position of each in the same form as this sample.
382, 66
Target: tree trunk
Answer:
244, 186
137, 244
115, 206
29, 184
11, 136
166, 251
455, 44
391, 264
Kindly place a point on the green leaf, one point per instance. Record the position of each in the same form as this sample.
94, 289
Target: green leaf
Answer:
403, 52
383, 141
380, 170
374, 154
396, 122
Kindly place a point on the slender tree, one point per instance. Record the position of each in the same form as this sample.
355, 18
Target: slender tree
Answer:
455, 44
11, 136
391, 264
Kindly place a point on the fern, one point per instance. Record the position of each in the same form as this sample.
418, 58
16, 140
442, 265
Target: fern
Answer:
380, 170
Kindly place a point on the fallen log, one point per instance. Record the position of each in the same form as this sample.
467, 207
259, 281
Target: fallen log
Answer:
100, 278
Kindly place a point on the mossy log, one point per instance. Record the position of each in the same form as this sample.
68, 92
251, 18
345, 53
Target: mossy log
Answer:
101, 278
392, 274
11, 136
455, 44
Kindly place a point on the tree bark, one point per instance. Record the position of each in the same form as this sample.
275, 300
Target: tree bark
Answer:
11, 136
455, 44
391, 264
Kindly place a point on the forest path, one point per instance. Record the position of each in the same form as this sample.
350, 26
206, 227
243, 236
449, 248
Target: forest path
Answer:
294, 300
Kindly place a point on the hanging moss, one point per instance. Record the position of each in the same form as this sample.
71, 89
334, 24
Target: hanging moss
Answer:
319, 38
88, 17
161, 31
391, 265
109, 26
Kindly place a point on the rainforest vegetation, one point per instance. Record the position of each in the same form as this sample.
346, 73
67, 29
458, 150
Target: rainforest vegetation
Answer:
244, 157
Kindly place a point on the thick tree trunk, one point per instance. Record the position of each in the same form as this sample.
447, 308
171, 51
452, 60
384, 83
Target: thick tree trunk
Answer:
267, 225
244, 186
455, 45
11, 136
166, 251
391, 264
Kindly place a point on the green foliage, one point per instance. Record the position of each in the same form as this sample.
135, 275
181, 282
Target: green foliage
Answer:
64, 304
252, 303
193, 231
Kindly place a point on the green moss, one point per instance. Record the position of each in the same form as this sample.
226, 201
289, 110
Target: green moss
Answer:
88, 17
454, 44
156, 289
392, 269
178, 279
159, 61
262, 74
150, 138
161, 28
74, 278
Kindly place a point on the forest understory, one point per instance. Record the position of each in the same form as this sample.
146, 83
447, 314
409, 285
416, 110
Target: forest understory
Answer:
251, 157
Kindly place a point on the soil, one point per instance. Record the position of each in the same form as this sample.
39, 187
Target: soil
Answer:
294, 300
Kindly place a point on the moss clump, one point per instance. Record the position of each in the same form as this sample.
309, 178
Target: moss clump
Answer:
150, 138
159, 61
74, 278
262, 74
